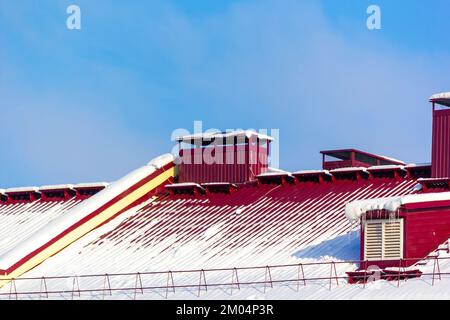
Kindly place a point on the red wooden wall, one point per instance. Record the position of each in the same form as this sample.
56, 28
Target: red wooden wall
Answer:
238, 163
426, 226
441, 144
425, 231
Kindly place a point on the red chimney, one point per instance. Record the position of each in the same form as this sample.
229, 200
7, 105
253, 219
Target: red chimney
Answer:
235, 157
440, 154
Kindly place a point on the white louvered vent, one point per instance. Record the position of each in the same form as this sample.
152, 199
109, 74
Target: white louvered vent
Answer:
383, 239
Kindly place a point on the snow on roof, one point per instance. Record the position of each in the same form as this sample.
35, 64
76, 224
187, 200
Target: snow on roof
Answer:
161, 160
391, 159
173, 238
22, 189
442, 95
91, 185
274, 174
22, 220
218, 184
432, 179
210, 136
272, 169
56, 187
2, 191
349, 169
312, 172
442, 98
354, 209
75, 214
184, 184
386, 167
414, 165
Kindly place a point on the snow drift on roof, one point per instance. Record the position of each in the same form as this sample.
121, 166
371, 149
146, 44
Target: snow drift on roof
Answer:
184, 184
390, 159
349, 169
91, 185
442, 98
22, 189
274, 174
415, 165
56, 187
442, 95
386, 167
77, 213
312, 172
223, 135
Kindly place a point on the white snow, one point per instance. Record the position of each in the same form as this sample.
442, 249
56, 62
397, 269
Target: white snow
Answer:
438, 96
273, 174
161, 161
414, 165
20, 220
386, 167
56, 187
189, 248
223, 135
354, 209
312, 172
391, 159
341, 248
431, 179
184, 184
419, 288
68, 218
22, 189
271, 169
349, 169
212, 231
91, 185
218, 184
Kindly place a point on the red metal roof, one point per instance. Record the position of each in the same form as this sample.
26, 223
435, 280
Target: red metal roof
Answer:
266, 217
19, 220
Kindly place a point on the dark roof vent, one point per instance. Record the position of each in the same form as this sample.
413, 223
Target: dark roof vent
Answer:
316, 176
354, 174
189, 188
87, 190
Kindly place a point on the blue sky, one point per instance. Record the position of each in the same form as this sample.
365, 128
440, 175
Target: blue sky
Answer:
94, 104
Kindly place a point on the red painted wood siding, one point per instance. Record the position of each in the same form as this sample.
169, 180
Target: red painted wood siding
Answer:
441, 144
425, 231
234, 164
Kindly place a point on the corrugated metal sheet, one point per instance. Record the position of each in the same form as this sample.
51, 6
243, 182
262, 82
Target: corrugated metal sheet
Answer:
441, 144
224, 164
20, 220
255, 225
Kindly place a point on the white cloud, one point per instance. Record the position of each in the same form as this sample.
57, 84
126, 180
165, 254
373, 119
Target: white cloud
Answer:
271, 64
